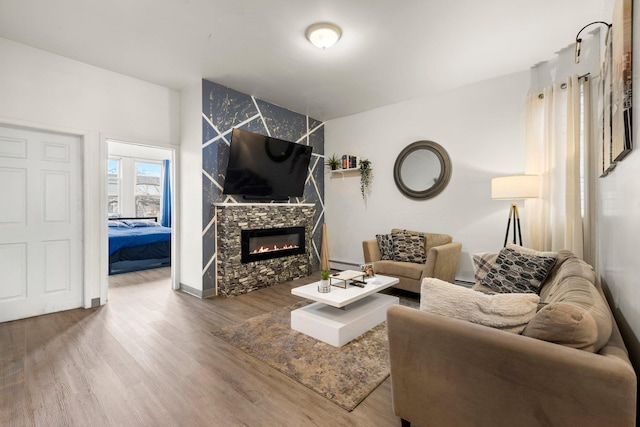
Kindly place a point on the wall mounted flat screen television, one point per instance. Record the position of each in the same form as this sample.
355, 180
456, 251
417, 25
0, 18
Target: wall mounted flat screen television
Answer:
262, 167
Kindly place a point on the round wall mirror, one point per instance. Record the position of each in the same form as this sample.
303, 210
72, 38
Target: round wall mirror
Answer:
422, 170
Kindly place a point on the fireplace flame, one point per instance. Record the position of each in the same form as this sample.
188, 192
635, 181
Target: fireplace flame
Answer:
273, 248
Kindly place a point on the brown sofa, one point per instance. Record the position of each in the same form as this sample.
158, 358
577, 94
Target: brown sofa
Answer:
576, 372
442, 261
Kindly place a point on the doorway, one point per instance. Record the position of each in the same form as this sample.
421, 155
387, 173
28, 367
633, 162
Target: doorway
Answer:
138, 176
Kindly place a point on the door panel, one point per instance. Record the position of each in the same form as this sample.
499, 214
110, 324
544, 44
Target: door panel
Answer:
56, 266
13, 190
55, 152
40, 223
13, 264
13, 147
56, 196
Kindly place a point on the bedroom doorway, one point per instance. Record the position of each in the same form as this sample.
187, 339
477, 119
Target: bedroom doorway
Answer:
140, 195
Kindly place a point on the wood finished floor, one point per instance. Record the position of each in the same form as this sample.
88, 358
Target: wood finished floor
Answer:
147, 358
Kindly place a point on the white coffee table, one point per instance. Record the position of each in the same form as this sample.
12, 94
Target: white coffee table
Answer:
341, 315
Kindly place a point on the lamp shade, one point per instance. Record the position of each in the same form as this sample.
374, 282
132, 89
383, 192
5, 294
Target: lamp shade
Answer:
515, 187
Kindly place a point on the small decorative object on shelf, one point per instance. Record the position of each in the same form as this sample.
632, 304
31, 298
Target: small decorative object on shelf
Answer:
349, 162
347, 277
325, 284
333, 162
366, 177
367, 269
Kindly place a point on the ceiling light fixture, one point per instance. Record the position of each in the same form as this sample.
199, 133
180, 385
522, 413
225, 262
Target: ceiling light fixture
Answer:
323, 34
579, 40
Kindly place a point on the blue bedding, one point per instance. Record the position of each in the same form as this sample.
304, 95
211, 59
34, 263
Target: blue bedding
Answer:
127, 236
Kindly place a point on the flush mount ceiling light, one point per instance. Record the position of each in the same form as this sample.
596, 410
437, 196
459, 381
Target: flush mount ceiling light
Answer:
323, 34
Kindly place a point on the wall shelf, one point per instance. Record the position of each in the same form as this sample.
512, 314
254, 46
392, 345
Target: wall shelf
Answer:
343, 171
347, 159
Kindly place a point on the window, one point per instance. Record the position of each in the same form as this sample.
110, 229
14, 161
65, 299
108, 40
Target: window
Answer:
135, 180
147, 188
584, 103
114, 177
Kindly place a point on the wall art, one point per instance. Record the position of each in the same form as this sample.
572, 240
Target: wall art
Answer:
621, 109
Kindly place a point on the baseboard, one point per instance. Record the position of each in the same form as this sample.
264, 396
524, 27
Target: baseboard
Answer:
464, 283
207, 293
343, 265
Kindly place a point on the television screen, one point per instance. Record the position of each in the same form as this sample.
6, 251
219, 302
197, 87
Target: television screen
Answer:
265, 167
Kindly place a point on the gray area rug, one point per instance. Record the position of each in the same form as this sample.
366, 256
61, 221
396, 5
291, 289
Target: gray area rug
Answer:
345, 375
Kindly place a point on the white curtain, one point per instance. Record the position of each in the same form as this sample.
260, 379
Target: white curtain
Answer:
553, 152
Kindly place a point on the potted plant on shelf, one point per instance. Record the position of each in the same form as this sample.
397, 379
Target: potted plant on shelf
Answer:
366, 177
325, 285
333, 162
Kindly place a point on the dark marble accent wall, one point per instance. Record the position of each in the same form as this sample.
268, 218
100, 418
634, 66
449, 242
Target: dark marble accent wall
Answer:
222, 110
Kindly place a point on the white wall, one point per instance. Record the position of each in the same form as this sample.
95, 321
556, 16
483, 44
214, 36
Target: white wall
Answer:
190, 202
482, 128
618, 229
50, 92
51, 89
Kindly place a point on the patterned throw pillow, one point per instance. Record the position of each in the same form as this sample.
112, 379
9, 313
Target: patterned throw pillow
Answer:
517, 271
385, 243
482, 263
408, 247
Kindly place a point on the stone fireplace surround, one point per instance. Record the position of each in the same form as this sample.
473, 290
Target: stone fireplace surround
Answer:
235, 278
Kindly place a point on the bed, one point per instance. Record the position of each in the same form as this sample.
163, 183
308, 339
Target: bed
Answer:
138, 244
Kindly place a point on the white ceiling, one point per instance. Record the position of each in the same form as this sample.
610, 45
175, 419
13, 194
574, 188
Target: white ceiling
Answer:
390, 51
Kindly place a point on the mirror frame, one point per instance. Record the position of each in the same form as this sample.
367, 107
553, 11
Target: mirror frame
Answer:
441, 182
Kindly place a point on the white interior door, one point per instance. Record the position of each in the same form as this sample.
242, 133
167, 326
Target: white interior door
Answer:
40, 223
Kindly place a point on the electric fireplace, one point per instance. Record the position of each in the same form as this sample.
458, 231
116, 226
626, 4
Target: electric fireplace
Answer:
268, 243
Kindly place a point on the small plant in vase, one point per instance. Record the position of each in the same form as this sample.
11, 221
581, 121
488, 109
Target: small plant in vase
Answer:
333, 162
325, 285
366, 178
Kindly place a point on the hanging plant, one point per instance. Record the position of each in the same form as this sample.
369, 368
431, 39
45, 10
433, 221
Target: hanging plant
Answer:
366, 177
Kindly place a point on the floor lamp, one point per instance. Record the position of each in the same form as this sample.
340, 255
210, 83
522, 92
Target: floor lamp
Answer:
514, 187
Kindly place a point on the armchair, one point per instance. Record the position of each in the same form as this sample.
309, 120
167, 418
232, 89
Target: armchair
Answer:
442, 261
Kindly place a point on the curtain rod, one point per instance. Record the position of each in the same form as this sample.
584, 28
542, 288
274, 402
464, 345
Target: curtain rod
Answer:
564, 85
